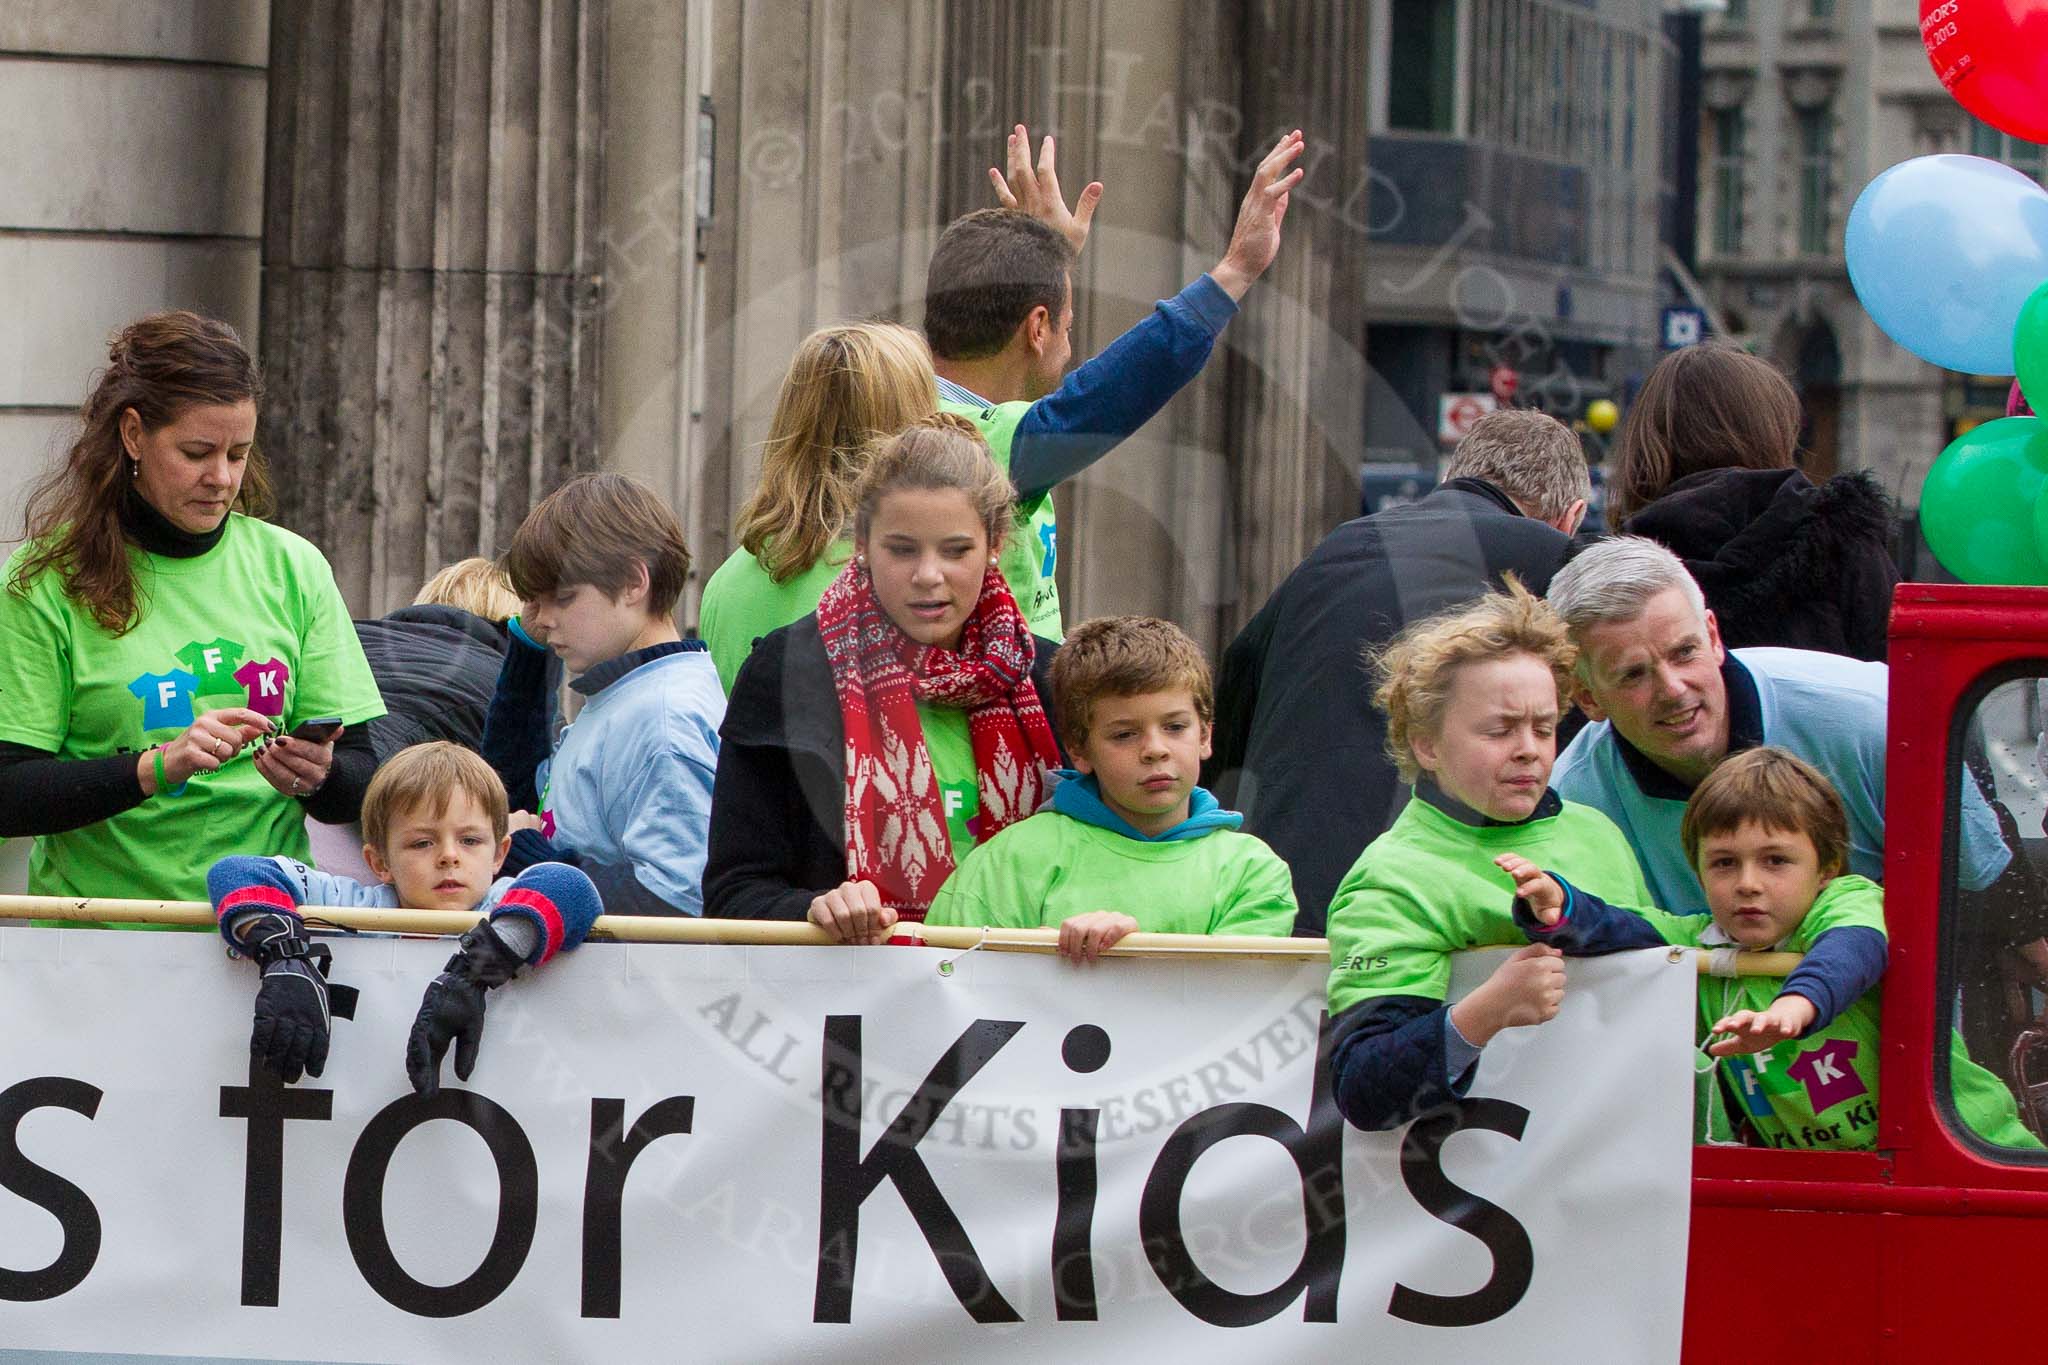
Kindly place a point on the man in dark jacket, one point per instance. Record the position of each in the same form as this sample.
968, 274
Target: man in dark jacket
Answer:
1300, 747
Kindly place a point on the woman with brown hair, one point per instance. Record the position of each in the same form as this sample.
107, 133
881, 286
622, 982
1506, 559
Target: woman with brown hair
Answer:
868, 746
846, 386
152, 627
1706, 465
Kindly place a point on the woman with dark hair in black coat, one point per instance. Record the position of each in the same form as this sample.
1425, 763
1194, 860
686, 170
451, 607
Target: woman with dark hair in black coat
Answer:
1706, 466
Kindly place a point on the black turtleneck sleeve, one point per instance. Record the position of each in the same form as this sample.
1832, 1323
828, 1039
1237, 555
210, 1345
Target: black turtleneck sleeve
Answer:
43, 794
340, 798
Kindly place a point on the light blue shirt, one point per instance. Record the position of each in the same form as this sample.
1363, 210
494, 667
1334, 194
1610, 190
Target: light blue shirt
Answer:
630, 781
346, 893
1828, 710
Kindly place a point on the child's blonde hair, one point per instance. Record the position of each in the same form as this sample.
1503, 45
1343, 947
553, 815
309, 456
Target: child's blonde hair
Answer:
1415, 669
426, 777
1774, 790
478, 586
847, 386
1125, 656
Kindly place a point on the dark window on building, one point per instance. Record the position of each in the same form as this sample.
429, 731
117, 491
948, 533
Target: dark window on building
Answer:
1728, 152
1737, 14
1422, 65
1816, 180
2025, 157
1820, 10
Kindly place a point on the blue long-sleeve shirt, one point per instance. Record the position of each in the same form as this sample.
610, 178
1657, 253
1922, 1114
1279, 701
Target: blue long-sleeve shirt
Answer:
1103, 401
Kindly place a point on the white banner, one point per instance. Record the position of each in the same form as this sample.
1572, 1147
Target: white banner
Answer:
656, 1160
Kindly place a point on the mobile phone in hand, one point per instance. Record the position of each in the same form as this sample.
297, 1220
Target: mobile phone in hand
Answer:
317, 731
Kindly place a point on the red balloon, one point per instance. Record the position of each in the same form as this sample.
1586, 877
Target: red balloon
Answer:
1992, 56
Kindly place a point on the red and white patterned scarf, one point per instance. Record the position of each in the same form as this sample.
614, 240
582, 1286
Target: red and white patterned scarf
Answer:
896, 831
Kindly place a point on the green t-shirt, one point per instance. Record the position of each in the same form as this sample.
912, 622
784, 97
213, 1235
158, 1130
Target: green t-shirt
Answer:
741, 603
1428, 888
1031, 553
256, 621
951, 745
1045, 869
1820, 1092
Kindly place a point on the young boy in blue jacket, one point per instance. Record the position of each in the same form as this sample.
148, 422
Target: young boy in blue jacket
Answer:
434, 830
626, 793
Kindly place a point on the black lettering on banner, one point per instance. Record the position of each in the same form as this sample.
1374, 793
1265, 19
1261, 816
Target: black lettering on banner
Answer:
1085, 1051
1318, 1154
612, 1153
267, 1102
362, 1203
69, 1205
1422, 1170
846, 1178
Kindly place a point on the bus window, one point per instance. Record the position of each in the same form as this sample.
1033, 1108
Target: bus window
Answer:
1993, 1061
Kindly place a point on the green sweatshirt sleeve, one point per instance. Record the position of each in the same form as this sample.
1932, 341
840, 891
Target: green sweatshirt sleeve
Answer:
1263, 902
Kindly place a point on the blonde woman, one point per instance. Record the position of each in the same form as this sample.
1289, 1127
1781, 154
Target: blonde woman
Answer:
847, 386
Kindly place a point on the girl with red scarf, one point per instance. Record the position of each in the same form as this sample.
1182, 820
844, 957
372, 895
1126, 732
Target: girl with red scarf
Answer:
868, 746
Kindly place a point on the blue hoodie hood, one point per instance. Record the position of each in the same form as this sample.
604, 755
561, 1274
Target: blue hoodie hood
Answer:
1080, 796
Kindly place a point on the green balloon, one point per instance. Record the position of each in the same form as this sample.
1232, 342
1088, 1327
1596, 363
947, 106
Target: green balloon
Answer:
2030, 349
1978, 504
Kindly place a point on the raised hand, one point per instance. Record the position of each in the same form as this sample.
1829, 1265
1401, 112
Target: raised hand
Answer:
1036, 190
1534, 885
1255, 241
1761, 1030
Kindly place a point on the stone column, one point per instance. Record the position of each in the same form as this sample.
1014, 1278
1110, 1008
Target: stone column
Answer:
822, 211
429, 274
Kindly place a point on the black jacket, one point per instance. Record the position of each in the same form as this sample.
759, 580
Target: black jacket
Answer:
437, 667
1299, 746
1781, 561
778, 805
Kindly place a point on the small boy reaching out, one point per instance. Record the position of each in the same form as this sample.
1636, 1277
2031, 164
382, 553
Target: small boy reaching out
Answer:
1128, 842
1768, 837
434, 826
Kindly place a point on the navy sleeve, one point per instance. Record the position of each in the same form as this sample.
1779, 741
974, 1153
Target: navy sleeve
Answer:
1841, 965
1590, 926
1105, 400
1387, 1061
558, 900
244, 884
530, 847
516, 726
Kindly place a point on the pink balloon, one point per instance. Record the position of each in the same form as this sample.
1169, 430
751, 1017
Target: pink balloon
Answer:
1992, 56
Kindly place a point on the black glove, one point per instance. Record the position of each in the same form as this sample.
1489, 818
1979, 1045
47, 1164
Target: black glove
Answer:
453, 1008
292, 1018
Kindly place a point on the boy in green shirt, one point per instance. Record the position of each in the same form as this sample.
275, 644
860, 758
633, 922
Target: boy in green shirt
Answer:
1769, 838
1127, 827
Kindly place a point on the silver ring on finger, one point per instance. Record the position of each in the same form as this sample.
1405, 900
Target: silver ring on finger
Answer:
220, 746
295, 786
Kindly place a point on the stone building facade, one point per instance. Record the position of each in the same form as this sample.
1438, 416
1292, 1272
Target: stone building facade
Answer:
1803, 102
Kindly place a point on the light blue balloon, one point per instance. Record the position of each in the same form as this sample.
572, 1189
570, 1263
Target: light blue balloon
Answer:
1943, 251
